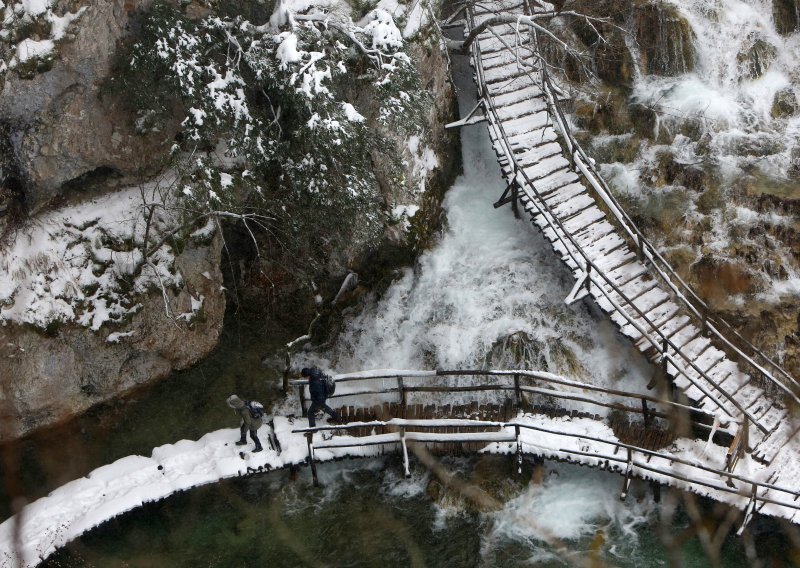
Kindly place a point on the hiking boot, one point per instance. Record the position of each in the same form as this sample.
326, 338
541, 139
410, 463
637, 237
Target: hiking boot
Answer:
258, 449
241, 442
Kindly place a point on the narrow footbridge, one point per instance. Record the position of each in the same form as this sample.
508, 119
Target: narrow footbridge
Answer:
421, 414
552, 179
552, 417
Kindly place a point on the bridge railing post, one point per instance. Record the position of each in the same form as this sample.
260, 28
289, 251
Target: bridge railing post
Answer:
310, 442
519, 448
401, 389
517, 391
626, 483
406, 468
645, 413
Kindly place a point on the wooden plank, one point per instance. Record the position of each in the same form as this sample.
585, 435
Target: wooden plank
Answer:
534, 153
564, 193
510, 85
523, 107
568, 209
531, 94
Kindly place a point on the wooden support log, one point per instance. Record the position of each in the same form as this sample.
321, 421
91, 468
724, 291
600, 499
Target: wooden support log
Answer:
403, 396
626, 483
748, 512
645, 413
309, 437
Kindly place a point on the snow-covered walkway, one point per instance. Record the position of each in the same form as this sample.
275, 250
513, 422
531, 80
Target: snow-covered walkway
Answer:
126, 484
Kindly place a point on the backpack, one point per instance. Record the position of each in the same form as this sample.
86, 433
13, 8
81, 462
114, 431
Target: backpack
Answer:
256, 409
330, 385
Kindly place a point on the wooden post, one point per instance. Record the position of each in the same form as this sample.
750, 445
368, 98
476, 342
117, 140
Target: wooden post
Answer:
626, 483
405, 451
639, 247
588, 277
515, 196
664, 358
517, 391
748, 512
519, 449
302, 391
309, 436
645, 413
401, 389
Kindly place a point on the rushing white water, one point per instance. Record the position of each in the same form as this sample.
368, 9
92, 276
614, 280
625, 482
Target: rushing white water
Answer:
733, 103
488, 278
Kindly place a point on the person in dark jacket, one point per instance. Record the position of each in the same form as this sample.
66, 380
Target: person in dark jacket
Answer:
248, 422
316, 387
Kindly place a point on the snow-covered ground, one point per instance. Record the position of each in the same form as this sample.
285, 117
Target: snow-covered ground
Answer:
84, 263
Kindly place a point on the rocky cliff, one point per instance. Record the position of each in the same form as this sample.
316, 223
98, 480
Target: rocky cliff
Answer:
118, 216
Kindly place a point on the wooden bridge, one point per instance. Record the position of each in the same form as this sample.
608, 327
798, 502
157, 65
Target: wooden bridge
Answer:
423, 413
548, 416
557, 185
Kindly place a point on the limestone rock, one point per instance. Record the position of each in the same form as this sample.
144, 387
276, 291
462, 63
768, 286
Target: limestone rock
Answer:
60, 122
755, 59
665, 40
785, 103
786, 14
50, 378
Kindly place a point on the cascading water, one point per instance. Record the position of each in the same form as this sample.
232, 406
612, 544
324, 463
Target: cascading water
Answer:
488, 295
716, 169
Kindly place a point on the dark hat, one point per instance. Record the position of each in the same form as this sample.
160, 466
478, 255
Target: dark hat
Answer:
305, 372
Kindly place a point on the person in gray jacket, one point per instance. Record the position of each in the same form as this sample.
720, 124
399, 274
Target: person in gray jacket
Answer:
248, 422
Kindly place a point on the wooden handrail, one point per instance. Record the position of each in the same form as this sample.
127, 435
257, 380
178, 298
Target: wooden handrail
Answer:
645, 248
629, 450
410, 376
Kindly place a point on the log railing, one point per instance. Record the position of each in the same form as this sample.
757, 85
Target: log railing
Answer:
629, 459
515, 383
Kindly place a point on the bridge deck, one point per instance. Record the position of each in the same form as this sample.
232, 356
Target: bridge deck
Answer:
130, 482
560, 192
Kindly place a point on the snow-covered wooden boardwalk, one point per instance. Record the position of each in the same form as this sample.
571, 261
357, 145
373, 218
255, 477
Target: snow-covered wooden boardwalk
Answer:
555, 182
695, 465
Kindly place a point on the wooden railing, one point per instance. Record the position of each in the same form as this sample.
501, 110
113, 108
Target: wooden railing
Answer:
628, 458
518, 382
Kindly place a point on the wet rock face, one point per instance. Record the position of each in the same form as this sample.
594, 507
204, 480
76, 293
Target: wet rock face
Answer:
786, 14
51, 376
62, 125
665, 40
785, 104
756, 59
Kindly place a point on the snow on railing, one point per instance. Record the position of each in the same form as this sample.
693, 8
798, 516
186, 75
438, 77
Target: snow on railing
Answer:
653, 464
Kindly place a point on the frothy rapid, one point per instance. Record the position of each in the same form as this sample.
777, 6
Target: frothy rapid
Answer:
489, 294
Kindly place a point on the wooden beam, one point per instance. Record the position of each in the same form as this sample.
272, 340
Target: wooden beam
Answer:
579, 290
471, 118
